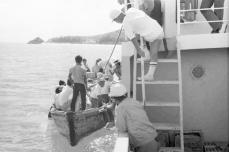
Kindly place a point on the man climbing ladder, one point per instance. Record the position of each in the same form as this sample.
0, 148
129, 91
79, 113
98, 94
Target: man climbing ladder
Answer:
137, 22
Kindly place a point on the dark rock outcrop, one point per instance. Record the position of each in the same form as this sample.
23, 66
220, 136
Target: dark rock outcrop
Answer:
37, 40
106, 38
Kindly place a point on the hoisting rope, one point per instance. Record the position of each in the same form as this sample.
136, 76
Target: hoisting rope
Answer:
113, 48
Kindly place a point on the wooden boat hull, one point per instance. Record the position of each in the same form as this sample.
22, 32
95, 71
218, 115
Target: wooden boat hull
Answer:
75, 125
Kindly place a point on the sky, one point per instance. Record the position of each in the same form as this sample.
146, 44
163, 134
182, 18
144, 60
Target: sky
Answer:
23, 20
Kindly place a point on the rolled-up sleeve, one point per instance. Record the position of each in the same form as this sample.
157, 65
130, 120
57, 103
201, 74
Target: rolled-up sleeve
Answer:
120, 120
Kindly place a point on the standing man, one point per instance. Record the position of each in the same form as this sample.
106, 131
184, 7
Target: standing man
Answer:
117, 69
78, 75
217, 14
96, 67
138, 22
131, 118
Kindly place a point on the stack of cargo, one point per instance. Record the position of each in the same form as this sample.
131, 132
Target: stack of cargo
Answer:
193, 140
215, 147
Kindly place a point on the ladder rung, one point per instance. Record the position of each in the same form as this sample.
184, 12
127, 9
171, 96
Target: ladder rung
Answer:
163, 61
158, 82
169, 149
166, 126
162, 104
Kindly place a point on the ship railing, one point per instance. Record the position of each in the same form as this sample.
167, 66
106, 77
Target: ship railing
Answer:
202, 9
198, 40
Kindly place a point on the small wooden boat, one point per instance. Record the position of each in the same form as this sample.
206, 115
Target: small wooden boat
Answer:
75, 125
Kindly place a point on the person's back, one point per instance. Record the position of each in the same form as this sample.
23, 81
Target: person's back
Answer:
136, 122
78, 74
138, 22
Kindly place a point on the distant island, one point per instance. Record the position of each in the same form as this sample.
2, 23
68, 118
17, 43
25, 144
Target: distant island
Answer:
37, 40
106, 38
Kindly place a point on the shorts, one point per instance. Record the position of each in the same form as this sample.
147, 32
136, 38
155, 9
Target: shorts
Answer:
152, 37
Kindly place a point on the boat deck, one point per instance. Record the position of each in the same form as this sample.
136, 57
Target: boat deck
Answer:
204, 41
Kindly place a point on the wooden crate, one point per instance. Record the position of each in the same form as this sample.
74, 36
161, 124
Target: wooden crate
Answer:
193, 139
216, 146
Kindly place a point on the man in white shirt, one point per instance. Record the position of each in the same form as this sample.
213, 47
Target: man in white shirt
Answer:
138, 22
96, 67
155, 9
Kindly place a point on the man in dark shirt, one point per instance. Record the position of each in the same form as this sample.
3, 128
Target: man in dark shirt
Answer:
78, 76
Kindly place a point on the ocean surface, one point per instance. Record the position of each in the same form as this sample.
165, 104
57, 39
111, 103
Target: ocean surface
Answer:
28, 76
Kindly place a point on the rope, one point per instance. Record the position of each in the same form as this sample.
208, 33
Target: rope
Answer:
113, 47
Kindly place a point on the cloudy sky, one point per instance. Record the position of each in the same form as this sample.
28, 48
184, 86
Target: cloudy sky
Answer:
23, 20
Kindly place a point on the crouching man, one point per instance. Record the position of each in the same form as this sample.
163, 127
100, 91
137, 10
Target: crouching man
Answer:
131, 118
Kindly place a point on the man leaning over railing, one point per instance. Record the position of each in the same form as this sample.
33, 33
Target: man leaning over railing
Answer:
132, 119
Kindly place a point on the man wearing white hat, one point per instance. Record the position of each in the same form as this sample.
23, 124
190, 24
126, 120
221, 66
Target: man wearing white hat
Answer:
138, 22
131, 118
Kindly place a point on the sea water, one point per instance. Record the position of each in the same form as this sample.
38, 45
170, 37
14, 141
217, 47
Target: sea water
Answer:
28, 76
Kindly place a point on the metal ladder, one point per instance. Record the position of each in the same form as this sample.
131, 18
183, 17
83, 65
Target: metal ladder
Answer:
179, 104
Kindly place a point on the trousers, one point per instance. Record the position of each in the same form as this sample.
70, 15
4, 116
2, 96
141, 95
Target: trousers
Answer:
213, 15
78, 87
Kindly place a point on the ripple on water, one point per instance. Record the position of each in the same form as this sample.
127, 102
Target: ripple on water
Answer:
28, 76
102, 144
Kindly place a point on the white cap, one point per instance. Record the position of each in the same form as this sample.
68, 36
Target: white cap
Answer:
117, 90
115, 13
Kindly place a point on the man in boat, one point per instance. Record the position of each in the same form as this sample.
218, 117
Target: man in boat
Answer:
62, 100
138, 22
131, 118
85, 66
99, 97
214, 15
106, 66
117, 69
96, 67
103, 96
78, 75
95, 91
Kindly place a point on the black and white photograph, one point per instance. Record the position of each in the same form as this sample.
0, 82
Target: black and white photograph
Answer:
114, 75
